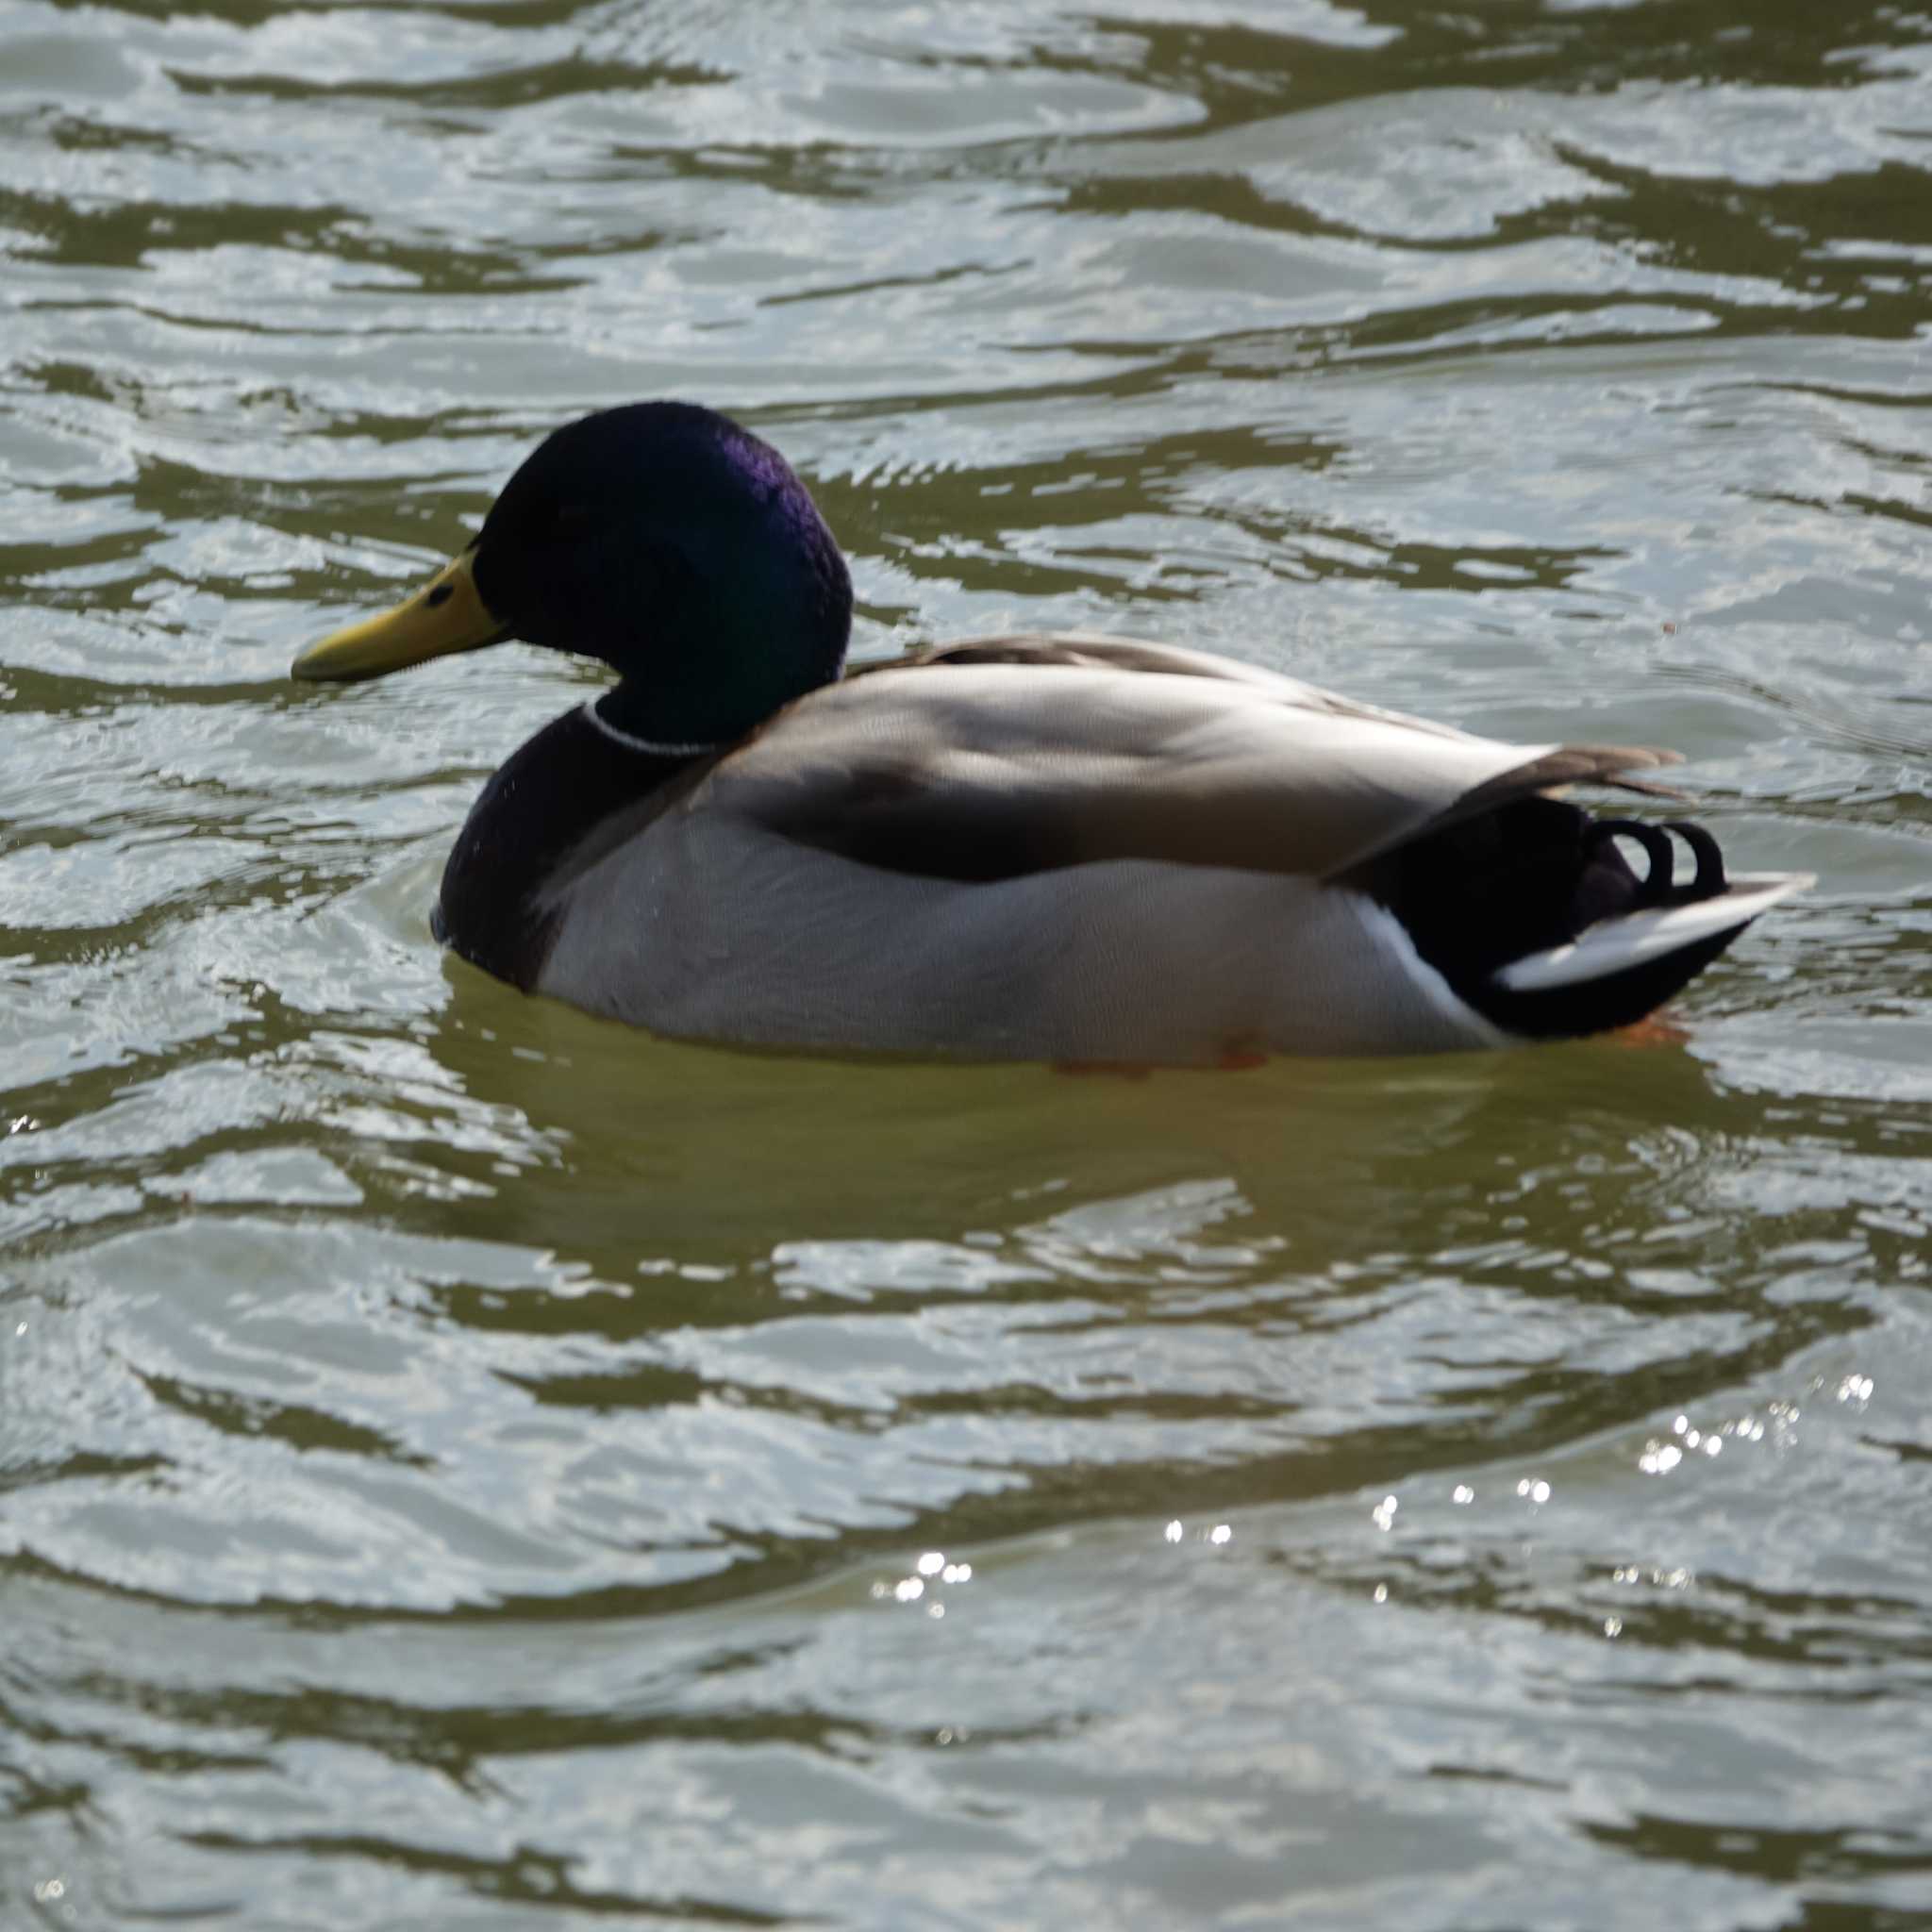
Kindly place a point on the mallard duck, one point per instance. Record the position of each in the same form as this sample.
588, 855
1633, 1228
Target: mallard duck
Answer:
1069, 848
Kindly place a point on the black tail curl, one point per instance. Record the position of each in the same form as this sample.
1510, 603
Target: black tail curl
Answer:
1533, 873
1659, 886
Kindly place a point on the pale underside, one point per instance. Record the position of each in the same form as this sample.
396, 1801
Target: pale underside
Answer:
756, 908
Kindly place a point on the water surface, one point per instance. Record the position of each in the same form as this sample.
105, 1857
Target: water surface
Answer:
464, 1465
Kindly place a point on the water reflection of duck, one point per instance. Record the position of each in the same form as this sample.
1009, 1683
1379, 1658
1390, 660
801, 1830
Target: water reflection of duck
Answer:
1037, 847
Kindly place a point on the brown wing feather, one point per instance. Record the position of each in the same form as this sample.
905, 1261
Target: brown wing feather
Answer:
1026, 756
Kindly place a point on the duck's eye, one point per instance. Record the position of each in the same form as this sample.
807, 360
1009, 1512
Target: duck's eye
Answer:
567, 519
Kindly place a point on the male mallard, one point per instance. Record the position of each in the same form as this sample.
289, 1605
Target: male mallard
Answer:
1068, 848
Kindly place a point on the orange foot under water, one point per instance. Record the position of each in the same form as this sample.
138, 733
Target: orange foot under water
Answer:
1652, 1030
1234, 1060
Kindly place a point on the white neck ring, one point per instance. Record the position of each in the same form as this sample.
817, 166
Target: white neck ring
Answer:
631, 741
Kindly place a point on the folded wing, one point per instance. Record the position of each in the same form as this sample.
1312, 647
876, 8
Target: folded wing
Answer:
1012, 755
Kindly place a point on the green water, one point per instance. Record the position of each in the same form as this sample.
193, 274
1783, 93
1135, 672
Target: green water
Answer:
465, 1466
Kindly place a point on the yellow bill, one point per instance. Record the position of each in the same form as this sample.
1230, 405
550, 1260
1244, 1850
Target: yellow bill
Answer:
447, 615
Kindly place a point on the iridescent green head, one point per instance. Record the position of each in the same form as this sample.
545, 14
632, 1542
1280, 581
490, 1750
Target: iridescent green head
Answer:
661, 538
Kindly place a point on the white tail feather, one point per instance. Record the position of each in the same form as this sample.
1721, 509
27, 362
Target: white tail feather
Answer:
1614, 945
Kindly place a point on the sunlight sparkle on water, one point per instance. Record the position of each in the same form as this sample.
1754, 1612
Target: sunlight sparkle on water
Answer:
1661, 1455
932, 1566
1383, 1514
1679, 1578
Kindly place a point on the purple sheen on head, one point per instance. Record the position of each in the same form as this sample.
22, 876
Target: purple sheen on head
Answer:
682, 550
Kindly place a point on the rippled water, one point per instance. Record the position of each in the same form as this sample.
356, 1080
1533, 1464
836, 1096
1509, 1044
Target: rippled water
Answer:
465, 1466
